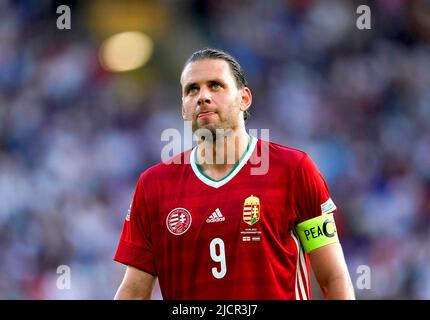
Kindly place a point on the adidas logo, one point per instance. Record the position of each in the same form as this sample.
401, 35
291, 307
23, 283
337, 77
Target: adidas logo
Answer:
215, 216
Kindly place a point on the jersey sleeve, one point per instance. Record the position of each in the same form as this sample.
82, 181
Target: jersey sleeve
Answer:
135, 243
311, 194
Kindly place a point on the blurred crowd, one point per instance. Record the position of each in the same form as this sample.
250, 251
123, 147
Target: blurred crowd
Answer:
74, 137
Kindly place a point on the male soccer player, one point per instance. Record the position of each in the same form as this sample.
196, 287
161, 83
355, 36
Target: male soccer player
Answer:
219, 230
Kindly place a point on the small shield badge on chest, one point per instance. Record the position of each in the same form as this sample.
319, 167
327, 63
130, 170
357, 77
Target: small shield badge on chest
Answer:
251, 210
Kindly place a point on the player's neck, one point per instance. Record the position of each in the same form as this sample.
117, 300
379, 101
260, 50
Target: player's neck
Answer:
216, 158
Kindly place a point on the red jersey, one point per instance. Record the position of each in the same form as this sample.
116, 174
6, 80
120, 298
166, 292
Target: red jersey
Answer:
227, 239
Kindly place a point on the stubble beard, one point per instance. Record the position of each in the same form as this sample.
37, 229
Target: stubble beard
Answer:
218, 129
211, 132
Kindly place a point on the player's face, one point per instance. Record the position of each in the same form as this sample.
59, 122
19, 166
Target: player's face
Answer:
210, 96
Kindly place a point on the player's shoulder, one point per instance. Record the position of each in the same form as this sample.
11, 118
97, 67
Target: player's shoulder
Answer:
167, 168
279, 152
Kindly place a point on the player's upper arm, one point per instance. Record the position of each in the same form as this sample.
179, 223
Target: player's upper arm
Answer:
319, 239
136, 284
331, 272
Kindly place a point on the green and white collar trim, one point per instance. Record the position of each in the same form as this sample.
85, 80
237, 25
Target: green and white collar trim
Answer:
218, 183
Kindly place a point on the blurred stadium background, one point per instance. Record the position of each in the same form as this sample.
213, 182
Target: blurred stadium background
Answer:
75, 132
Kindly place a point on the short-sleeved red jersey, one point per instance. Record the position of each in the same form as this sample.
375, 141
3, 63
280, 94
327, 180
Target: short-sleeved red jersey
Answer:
227, 239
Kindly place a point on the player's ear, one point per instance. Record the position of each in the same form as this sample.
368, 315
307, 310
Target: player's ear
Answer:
246, 98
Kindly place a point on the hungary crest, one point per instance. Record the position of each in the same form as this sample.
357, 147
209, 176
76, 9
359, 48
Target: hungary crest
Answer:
251, 210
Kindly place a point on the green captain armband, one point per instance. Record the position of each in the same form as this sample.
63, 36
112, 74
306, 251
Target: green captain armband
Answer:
317, 232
